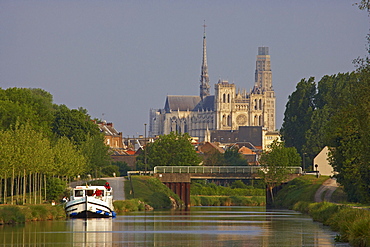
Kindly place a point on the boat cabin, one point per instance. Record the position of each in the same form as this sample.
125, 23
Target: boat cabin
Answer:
90, 191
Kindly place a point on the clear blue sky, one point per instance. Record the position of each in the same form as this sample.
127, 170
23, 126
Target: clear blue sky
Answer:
121, 58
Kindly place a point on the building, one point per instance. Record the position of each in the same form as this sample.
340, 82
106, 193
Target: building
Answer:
112, 137
322, 162
228, 109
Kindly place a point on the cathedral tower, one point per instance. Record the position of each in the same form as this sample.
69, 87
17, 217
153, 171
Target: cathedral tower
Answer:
204, 78
224, 105
262, 97
263, 74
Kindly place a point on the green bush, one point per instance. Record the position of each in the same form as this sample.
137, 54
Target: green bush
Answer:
323, 211
248, 201
195, 200
109, 170
342, 220
227, 201
352, 224
128, 206
238, 184
20, 214
11, 214
359, 234
209, 189
301, 206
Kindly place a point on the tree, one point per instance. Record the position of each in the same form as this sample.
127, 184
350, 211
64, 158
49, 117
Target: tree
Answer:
214, 158
74, 124
330, 89
24, 152
34, 106
275, 164
351, 132
78, 127
174, 149
123, 167
68, 160
96, 154
232, 157
298, 114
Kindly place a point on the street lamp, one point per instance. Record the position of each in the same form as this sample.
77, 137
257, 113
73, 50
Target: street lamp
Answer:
303, 161
317, 172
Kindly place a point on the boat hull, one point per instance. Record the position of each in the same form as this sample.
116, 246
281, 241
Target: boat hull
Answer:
89, 207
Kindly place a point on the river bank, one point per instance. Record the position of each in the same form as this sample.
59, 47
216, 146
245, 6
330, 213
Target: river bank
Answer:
11, 214
305, 194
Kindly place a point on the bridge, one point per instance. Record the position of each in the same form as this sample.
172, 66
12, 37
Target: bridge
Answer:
178, 178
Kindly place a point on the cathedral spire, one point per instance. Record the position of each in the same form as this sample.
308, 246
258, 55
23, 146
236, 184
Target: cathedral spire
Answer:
204, 78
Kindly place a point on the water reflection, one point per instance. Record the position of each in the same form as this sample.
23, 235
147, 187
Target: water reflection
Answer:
91, 232
201, 226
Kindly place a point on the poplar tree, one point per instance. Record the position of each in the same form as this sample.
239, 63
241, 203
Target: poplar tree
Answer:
298, 114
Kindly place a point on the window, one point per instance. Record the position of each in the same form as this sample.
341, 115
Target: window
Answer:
89, 192
79, 193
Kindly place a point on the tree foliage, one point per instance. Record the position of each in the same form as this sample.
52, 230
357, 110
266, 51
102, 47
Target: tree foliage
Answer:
298, 114
40, 140
74, 124
174, 149
232, 157
276, 162
34, 106
339, 119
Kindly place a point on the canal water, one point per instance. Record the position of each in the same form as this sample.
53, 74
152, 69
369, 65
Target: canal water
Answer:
201, 226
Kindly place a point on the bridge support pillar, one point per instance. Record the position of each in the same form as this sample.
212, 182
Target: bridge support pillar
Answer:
178, 183
181, 189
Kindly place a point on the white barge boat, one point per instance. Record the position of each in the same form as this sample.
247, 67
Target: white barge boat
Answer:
90, 202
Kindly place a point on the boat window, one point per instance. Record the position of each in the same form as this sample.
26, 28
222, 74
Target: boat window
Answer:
78, 193
89, 192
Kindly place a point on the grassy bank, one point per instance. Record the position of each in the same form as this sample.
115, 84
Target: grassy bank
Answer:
227, 200
11, 214
238, 194
142, 192
352, 224
129, 206
300, 189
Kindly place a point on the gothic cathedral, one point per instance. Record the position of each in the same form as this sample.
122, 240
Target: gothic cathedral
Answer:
228, 109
